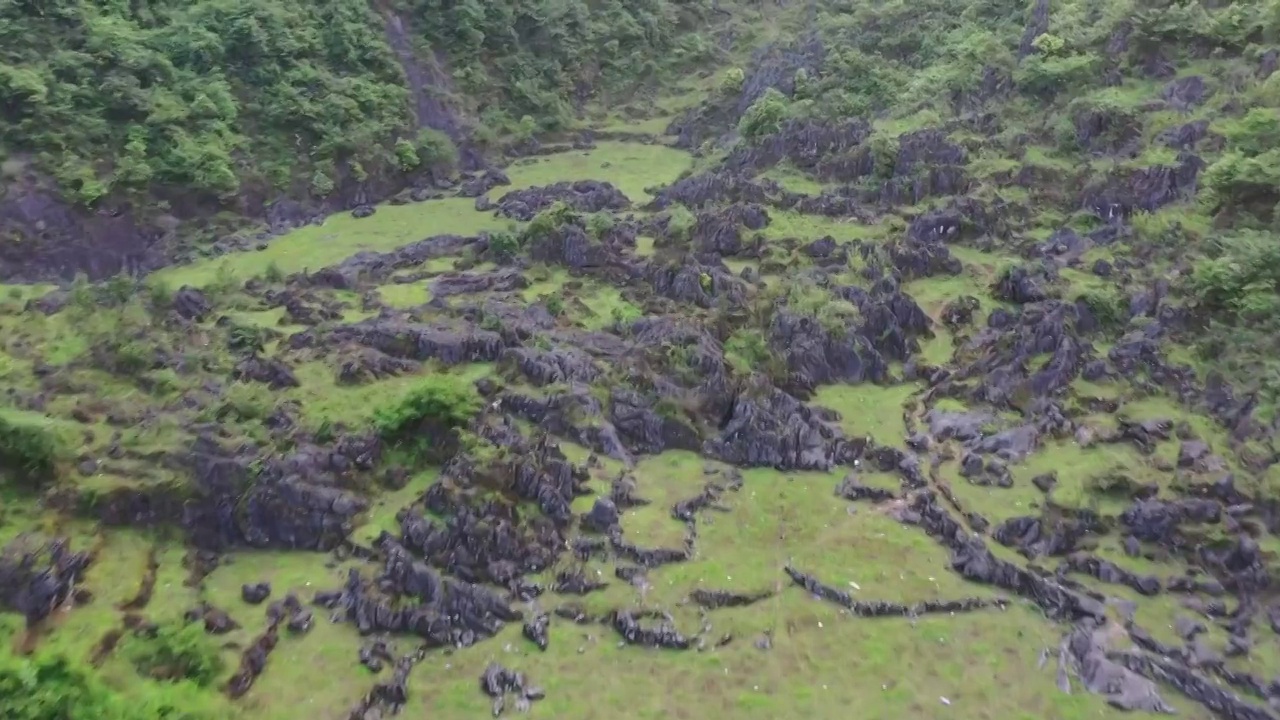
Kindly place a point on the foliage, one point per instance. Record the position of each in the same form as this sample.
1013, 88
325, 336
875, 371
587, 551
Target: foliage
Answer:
1247, 176
52, 687
435, 149
765, 115
1244, 279
680, 223
439, 402
545, 223
28, 452
1110, 307
503, 246
407, 155
1048, 75
533, 57
747, 351
118, 96
599, 224
731, 82
175, 652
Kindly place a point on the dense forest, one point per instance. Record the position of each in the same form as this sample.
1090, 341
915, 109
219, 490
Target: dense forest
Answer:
216, 98
353, 349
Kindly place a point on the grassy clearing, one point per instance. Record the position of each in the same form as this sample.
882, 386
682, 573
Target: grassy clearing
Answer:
868, 410
788, 224
793, 180
340, 237
316, 675
405, 295
632, 167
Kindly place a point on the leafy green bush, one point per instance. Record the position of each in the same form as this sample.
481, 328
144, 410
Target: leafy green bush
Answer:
439, 403
1051, 74
765, 116
599, 224
1108, 306
503, 246
28, 453
321, 184
680, 223
747, 351
435, 149
731, 81
52, 687
407, 155
1243, 279
175, 652
547, 222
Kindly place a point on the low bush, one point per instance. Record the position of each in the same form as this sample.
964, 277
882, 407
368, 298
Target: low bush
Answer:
175, 652
28, 452
430, 411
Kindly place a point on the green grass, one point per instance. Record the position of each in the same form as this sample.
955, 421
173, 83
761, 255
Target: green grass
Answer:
405, 295
322, 398
632, 167
793, 180
317, 246
822, 661
788, 224
868, 410
316, 675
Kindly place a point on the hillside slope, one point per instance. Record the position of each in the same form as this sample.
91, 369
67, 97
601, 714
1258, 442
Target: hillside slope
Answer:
157, 113
755, 360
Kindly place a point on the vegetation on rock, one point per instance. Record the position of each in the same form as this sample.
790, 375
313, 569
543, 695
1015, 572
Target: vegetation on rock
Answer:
892, 355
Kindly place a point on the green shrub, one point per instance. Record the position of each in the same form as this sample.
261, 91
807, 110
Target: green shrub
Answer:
599, 224
765, 116
273, 273
175, 652
1108, 306
1244, 279
28, 452
123, 356
548, 221
625, 314
503, 246
747, 351
731, 82
439, 403
52, 687
555, 305
321, 184
680, 223
1049, 75
407, 155
436, 150
160, 295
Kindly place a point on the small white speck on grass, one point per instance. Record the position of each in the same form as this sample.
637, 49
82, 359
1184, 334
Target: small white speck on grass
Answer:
854, 585
945, 701
819, 624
